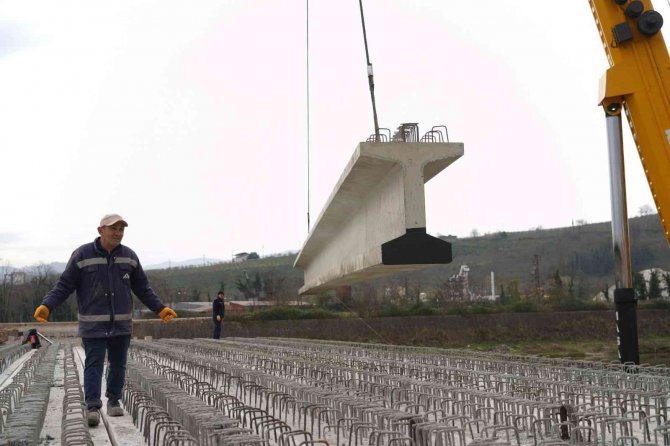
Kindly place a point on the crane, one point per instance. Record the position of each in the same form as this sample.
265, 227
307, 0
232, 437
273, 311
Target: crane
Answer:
361, 225
638, 84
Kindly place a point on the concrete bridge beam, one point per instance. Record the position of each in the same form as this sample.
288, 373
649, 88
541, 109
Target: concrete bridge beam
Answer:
374, 222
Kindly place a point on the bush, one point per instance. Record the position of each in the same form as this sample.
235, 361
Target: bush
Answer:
654, 304
391, 310
484, 308
469, 308
522, 306
580, 305
421, 309
335, 307
416, 309
288, 313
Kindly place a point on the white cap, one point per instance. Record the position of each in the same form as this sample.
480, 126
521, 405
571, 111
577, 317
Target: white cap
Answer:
110, 219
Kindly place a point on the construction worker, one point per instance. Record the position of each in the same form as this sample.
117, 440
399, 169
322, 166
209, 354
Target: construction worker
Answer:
103, 273
218, 311
31, 336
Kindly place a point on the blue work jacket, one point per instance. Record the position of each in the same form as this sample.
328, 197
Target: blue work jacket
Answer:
103, 282
218, 308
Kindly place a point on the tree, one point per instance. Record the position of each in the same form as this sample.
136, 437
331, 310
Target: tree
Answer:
582, 289
645, 209
474, 233
640, 286
599, 261
571, 288
41, 283
654, 286
556, 288
513, 290
162, 289
503, 298
243, 286
273, 285
4, 300
250, 288
606, 293
362, 295
195, 295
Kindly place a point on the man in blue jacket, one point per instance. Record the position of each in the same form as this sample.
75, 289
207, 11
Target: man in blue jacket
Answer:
103, 273
218, 311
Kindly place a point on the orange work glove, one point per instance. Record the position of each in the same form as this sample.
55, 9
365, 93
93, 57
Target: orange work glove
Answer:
218, 318
41, 313
167, 313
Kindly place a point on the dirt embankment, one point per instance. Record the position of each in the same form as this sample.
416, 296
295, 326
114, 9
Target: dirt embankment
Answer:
425, 330
443, 331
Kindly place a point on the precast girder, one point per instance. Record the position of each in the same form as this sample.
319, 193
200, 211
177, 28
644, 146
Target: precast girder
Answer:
374, 222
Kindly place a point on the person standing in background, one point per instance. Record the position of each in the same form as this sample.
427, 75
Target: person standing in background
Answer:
218, 311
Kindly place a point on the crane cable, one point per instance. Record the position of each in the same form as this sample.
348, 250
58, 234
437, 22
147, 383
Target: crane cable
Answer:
371, 81
377, 138
307, 95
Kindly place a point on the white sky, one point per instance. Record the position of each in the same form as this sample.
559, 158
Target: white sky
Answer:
189, 117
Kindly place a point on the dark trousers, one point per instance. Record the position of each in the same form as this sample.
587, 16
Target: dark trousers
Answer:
217, 329
116, 349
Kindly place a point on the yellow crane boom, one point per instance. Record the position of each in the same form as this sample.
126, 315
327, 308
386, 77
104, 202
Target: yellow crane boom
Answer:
639, 79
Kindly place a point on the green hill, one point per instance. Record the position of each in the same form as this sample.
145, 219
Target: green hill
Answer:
580, 254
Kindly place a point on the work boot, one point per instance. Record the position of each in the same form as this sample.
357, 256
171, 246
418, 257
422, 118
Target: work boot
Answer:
114, 409
93, 417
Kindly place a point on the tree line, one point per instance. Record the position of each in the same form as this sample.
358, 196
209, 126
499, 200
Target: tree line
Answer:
18, 301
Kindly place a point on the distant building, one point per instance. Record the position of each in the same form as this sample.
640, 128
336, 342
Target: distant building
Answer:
244, 256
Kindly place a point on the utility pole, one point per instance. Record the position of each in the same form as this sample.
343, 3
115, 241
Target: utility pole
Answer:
493, 286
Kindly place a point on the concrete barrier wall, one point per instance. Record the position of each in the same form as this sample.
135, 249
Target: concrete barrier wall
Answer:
423, 330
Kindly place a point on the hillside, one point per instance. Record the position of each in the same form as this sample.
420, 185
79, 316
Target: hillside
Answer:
188, 262
582, 254
202, 283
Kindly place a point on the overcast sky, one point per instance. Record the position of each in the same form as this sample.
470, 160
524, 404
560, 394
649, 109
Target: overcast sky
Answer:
189, 118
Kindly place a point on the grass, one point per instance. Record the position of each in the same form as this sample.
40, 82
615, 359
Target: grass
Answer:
653, 351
